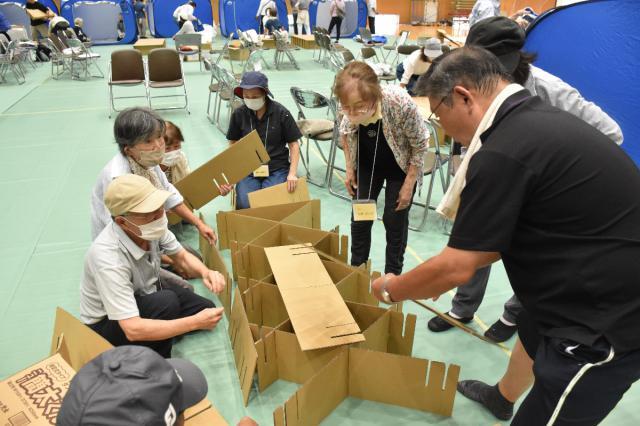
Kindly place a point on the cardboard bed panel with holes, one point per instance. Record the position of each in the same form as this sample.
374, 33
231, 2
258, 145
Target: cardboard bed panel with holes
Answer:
229, 167
373, 376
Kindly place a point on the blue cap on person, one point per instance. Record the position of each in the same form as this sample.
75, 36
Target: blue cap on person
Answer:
253, 80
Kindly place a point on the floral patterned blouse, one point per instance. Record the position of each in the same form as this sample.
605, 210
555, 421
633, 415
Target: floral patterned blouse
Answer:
403, 126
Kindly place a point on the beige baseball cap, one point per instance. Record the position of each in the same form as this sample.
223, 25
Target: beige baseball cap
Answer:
133, 194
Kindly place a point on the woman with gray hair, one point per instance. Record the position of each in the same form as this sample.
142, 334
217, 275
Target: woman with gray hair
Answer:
139, 133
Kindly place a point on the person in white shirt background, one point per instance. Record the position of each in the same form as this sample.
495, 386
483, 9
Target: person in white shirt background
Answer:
484, 9
184, 13
372, 12
262, 11
417, 64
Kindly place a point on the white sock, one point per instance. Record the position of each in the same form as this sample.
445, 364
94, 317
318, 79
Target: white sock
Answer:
452, 315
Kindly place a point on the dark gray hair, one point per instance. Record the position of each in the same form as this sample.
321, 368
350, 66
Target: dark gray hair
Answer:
469, 66
137, 125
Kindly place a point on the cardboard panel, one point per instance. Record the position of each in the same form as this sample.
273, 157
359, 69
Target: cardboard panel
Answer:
213, 260
305, 213
278, 194
318, 397
241, 229
400, 380
356, 287
75, 341
244, 351
264, 305
34, 395
251, 262
235, 163
316, 309
203, 414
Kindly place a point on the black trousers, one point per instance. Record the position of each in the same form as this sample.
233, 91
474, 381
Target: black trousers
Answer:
556, 362
372, 24
295, 23
396, 224
336, 21
181, 23
166, 304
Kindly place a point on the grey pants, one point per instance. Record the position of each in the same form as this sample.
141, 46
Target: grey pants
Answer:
469, 297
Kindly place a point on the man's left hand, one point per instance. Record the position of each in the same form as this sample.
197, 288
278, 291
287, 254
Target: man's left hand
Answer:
292, 183
214, 281
376, 285
208, 233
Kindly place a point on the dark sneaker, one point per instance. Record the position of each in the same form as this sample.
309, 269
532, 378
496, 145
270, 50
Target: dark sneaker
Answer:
489, 396
437, 324
500, 332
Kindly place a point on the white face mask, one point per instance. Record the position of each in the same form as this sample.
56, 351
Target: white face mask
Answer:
171, 158
254, 104
152, 231
149, 159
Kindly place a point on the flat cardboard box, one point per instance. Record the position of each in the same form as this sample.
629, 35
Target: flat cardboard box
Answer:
372, 376
35, 14
279, 194
235, 163
317, 311
34, 395
244, 225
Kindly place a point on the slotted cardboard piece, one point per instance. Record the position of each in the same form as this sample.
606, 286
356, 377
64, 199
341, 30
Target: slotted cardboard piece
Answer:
373, 376
212, 258
280, 355
316, 309
244, 225
244, 351
264, 305
279, 194
235, 163
203, 414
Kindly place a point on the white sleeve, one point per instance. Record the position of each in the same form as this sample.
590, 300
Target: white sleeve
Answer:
169, 245
409, 66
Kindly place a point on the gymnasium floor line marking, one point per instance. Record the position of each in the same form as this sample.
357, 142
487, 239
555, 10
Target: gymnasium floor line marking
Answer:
451, 293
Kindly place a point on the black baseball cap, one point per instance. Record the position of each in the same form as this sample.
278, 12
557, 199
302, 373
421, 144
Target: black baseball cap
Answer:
501, 36
131, 385
253, 80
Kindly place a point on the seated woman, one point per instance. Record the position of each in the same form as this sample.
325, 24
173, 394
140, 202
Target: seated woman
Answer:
417, 64
174, 163
78, 23
277, 129
272, 23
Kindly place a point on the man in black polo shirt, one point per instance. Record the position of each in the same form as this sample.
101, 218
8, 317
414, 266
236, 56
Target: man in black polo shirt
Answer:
39, 28
278, 131
558, 203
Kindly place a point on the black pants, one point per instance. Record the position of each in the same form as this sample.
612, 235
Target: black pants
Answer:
556, 363
336, 21
261, 25
166, 304
396, 224
295, 24
372, 24
181, 23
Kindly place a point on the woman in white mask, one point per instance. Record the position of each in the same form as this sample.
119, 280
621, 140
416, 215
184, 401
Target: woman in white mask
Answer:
277, 130
174, 163
139, 133
384, 139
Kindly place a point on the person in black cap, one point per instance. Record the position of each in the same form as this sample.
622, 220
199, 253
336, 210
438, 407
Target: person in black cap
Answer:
278, 131
132, 385
504, 38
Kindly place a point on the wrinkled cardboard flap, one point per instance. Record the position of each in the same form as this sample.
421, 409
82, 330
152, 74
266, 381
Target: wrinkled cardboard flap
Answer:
317, 311
236, 163
279, 194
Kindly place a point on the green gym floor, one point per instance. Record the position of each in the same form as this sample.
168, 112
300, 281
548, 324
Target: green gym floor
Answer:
55, 138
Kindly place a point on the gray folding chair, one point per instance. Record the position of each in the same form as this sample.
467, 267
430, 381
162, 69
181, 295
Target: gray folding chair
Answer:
228, 83
79, 54
283, 49
391, 49
189, 45
315, 129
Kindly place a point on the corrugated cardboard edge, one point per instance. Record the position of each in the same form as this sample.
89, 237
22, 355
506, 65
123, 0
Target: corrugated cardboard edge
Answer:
212, 259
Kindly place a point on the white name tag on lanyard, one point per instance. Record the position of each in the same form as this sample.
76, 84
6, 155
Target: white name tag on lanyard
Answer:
364, 210
262, 171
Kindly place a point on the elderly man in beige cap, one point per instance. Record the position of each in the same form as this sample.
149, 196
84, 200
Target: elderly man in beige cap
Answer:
122, 298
